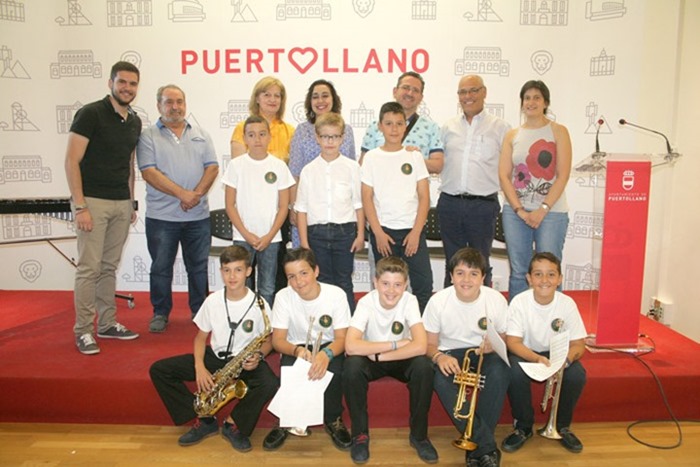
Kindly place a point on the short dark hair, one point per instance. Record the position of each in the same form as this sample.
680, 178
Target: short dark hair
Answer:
540, 86
391, 264
391, 108
413, 74
255, 119
123, 66
337, 104
544, 256
470, 257
234, 253
301, 254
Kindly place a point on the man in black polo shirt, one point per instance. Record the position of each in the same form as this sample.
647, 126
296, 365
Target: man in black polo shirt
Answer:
100, 172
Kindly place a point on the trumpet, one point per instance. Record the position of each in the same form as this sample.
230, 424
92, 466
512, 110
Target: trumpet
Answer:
549, 431
470, 382
310, 342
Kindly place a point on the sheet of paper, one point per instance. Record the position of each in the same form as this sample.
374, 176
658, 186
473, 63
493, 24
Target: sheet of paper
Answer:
299, 401
497, 344
558, 350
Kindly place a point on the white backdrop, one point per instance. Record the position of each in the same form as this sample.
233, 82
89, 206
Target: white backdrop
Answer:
600, 59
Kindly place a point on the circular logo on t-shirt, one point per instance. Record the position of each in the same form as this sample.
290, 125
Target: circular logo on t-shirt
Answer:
482, 323
557, 324
325, 321
407, 168
270, 177
247, 325
396, 328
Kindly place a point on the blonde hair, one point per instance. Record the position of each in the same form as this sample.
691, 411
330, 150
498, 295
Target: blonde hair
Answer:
262, 86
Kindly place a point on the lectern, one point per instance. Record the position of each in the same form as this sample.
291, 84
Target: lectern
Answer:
625, 209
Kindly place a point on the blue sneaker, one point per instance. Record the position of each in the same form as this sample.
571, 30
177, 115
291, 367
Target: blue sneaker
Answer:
238, 440
200, 430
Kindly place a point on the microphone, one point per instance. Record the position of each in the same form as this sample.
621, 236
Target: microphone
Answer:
597, 155
668, 145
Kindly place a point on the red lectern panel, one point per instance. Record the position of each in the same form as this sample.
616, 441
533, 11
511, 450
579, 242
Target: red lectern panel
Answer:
624, 241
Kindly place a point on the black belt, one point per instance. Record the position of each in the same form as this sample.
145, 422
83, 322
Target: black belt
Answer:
491, 197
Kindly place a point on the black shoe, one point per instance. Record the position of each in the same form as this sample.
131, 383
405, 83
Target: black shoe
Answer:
201, 429
339, 434
425, 450
570, 441
238, 440
490, 459
515, 440
471, 461
359, 452
274, 439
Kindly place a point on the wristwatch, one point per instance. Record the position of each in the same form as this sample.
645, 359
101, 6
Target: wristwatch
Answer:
545, 206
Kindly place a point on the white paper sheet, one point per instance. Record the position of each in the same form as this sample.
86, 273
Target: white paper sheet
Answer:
299, 401
497, 344
558, 350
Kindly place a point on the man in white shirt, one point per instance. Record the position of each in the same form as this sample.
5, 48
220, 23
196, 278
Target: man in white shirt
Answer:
468, 205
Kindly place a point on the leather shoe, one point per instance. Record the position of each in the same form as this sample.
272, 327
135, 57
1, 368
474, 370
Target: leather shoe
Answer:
570, 441
339, 434
515, 440
490, 459
274, 439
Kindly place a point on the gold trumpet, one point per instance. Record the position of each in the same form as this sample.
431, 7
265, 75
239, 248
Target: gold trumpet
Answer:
549, 431
470, 382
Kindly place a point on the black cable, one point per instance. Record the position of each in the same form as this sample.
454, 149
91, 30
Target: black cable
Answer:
675, 421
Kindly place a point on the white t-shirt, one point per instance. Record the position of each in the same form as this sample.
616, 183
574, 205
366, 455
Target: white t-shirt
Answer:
381, 325
460, 325
212, 318
257, 184
537, 324
394, 177
329, 192
330, 311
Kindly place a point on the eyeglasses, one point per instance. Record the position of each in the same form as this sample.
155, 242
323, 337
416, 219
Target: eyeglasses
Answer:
407, 88
466, 92
330, 138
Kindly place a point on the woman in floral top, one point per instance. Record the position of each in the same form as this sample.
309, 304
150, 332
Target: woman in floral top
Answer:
534, 168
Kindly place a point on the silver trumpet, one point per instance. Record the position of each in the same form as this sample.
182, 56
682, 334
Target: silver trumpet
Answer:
310, 342
553, 385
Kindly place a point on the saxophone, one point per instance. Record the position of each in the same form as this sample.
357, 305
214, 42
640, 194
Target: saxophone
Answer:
227, 386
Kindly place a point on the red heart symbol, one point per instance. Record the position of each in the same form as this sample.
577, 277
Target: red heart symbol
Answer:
303, 53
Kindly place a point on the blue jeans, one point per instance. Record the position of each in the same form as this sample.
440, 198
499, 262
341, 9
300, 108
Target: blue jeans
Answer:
489, 399
331, 245
548, 237
419, 271
520, 395
163, 239
266, 267
467, 222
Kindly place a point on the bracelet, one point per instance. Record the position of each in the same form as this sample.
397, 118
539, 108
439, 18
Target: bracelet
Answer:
393, 345
376, 357
80, 211
518, 209
80, 207
545, 206
295, 354
329, 353
435, 356
261, 356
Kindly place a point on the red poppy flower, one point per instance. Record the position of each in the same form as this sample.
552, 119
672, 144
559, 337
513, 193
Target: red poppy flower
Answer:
542, 159
521, 177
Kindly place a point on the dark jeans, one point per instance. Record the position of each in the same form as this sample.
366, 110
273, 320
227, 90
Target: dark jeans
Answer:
419, 270
169, 376
163, 239
266, 268
416, 371
333, 397
331, 245
520, 396
489, 399
467, 222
